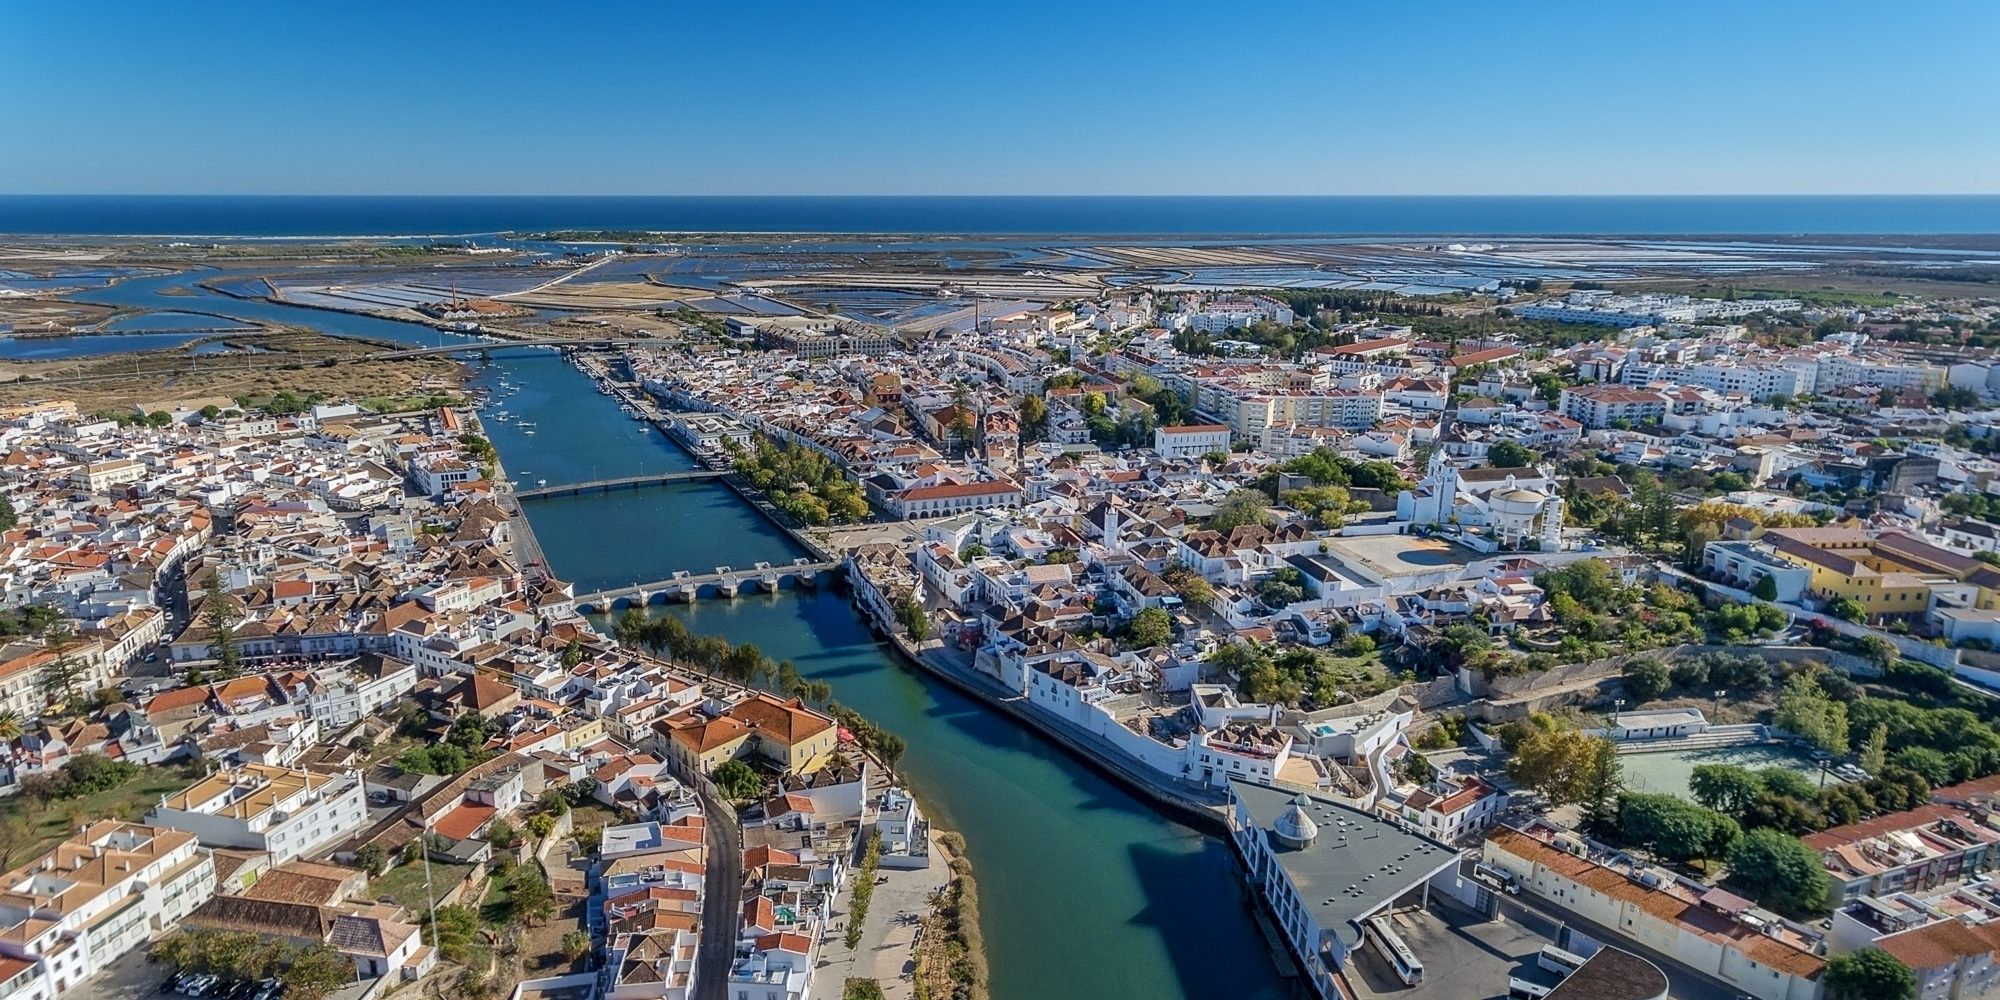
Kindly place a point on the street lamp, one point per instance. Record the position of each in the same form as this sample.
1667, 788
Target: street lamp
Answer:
1718, 704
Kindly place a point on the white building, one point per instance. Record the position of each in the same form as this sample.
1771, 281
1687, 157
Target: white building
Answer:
1191, 440
99, 894
289, 812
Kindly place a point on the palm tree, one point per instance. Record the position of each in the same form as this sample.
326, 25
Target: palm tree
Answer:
10, 726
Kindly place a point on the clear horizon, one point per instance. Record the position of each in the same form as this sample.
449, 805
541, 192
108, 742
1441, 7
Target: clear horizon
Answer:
1444, 99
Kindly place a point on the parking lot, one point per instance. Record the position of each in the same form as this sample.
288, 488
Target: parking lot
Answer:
1465, 956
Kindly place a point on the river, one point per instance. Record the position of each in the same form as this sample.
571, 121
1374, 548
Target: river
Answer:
1086, 891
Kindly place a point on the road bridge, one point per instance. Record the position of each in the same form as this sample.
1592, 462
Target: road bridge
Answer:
620, 483
484, 347
689, 587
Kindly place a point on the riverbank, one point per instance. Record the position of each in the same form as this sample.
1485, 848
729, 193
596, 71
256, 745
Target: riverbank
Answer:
950, 960
1198, 806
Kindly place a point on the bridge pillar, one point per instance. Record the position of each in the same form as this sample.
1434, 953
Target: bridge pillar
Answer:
686, 594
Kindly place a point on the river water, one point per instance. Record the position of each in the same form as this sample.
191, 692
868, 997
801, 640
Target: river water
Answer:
1086, 891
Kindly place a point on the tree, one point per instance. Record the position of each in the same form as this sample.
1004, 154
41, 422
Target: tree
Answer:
1034, 414
220, 612
1243, 507
1729, 482
1805, 709
316, 971
370, 858
540, 825
575, 945
572, 653
737, 780
1509, 455
528, 895
552, 802
1869, 974
1151, 627
1875, 753
58, 678
910, 614
500, 833
1725, 788
1563, 765
1765, 589
453, 931
1674, 829
744, 663
1646, 679
7, 516
1846, 609
1779, 870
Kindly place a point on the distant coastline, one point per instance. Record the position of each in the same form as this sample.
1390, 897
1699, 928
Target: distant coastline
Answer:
331, 217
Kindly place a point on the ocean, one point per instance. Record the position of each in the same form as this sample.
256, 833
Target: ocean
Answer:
1140, 215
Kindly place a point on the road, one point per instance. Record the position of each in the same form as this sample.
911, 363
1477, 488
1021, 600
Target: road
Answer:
1683, 983
721, 899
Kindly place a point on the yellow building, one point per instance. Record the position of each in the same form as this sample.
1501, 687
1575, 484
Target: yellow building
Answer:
1889, 574
792, 737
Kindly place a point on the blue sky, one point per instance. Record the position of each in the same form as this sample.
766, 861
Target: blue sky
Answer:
1330, 97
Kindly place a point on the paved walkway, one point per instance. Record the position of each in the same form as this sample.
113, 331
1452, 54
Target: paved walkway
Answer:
887, 952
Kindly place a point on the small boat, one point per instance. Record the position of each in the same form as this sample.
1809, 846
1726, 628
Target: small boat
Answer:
529, 432
541, 482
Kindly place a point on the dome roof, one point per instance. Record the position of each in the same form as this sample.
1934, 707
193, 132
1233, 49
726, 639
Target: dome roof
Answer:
1518, 501
1293, 826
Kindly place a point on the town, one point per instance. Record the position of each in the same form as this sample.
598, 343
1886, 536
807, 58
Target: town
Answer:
1574, 642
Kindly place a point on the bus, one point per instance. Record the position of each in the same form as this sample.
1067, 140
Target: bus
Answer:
1390, 946
1521, 989
1558, 961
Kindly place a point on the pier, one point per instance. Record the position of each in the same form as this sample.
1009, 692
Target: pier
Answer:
620, 483
724, 582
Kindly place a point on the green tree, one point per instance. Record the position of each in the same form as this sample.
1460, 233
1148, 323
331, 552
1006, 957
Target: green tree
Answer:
1875, 753
1805, 709
528, 897
1646, 679
1846, 609
910, 614
1240, 508
1509, 455
575, 945
1673, 828
1034, 414
220, 611
500, 833
572, 653
370, 858
1765, 589
316, 971
737, 781
1868, 974
1563, 765
454, 931
1725, 788
1780, 871
7, 516
540, 825
58, 679
1149, 628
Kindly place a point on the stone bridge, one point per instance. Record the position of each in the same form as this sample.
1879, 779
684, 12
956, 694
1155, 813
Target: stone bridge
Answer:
724, 582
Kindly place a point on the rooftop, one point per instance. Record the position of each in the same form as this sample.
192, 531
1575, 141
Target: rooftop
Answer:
1357, 864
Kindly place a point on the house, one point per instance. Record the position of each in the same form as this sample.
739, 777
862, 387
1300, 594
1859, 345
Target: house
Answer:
286, 811
100, 893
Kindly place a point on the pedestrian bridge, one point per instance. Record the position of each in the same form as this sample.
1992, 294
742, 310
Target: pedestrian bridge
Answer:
620, 483
689, 587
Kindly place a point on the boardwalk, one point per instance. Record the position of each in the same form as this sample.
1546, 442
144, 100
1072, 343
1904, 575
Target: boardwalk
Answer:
620, 483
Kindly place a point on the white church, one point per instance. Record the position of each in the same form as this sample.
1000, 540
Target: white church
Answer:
1487, 509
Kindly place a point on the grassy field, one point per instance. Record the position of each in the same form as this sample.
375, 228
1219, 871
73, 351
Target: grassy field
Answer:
46, 825
405, 884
